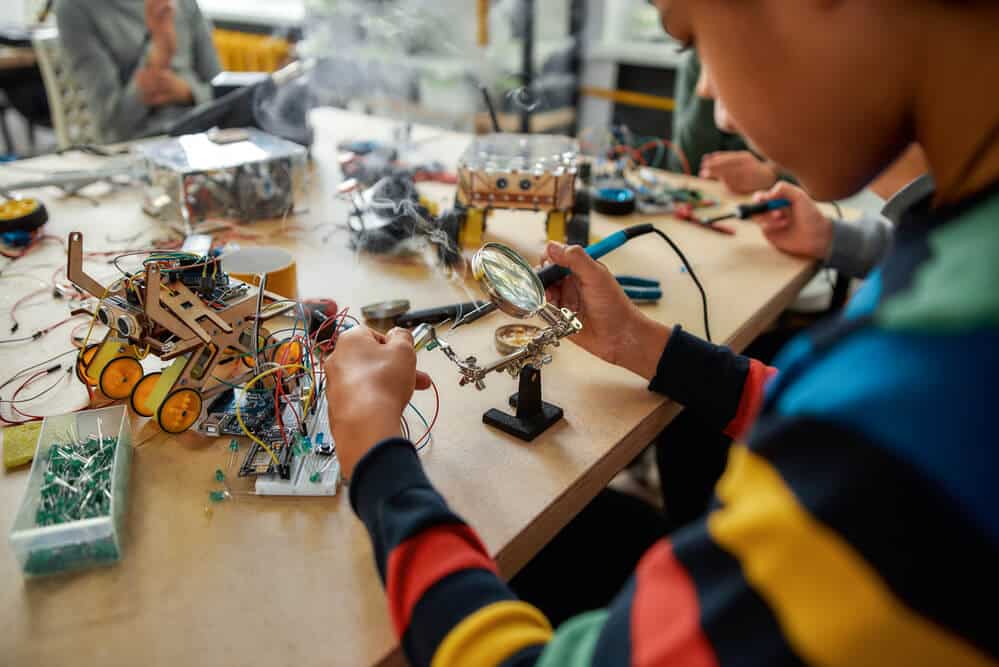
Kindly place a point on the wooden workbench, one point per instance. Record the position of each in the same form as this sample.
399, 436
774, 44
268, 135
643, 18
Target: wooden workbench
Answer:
267, 581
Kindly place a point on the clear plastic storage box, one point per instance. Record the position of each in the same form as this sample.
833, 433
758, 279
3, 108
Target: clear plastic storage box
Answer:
239, 175
84, 543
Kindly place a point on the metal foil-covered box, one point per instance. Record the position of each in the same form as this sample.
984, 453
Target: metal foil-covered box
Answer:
238, 175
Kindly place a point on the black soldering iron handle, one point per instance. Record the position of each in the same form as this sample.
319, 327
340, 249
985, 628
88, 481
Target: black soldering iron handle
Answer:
437, 315
553, 273
747, 211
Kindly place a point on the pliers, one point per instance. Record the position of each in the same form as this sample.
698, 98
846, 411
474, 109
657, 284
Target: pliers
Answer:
642, 290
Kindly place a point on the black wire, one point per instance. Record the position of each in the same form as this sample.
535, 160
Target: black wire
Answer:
17, 340
839, 211
25, 371
693, 276
39, 394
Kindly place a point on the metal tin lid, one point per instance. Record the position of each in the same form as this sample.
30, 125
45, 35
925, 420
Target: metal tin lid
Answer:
385, 310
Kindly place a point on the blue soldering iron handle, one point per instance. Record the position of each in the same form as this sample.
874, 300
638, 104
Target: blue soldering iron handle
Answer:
553, 274
746, 211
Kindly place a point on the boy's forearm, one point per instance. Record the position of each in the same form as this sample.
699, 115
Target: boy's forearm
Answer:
440, 581
724, 388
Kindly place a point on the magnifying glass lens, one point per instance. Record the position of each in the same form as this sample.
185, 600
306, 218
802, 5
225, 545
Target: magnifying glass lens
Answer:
510, 280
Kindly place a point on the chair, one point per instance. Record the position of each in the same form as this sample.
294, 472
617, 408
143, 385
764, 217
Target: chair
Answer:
72, 119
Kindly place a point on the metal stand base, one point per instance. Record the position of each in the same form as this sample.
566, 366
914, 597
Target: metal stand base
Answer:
533, 416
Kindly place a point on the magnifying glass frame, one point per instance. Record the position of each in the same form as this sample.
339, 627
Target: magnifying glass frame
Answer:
494, 292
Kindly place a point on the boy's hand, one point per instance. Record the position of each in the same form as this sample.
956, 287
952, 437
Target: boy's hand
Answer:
369, 380
740, 171
614, 329
799, 230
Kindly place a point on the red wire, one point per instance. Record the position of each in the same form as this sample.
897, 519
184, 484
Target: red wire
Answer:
13, 397
673, 147
17, 304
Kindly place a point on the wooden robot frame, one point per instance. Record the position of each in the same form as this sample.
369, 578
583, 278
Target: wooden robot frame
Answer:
153, 313
521, 172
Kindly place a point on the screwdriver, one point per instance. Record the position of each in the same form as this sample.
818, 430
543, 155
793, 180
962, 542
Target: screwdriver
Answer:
747, 211
553, 273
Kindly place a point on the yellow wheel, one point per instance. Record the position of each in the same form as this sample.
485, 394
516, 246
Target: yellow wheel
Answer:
139, 400
28, 214
472, 231
119, 377
179, 410
83, 361
556, 226
288, 353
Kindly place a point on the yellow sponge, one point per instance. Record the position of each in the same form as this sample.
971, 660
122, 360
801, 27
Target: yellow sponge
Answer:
19, 443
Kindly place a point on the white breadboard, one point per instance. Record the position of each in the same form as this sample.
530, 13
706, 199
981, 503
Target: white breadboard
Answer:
324, 468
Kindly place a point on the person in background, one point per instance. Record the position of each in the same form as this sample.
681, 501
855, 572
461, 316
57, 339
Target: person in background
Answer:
144, 63
714, 150
855, 522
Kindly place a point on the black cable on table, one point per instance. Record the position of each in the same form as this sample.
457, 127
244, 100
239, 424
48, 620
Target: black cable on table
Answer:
693, 276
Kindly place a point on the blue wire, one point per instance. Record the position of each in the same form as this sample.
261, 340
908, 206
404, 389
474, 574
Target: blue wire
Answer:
426, 425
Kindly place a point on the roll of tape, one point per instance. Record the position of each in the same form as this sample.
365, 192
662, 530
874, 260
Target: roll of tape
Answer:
248, 264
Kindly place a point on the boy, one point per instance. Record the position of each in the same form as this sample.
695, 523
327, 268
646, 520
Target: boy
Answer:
857, 524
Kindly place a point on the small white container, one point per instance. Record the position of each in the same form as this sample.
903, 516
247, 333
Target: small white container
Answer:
80, 544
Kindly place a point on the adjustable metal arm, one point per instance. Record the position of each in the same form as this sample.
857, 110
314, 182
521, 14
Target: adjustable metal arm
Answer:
562, 323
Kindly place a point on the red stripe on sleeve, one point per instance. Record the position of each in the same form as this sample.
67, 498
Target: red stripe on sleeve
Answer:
424, 559
666, 614
752, 398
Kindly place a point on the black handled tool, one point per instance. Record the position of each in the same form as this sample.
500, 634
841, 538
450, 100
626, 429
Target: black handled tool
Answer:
438, 315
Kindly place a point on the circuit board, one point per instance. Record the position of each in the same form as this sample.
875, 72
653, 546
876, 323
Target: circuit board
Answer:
256, 409
258, 414
315, 470
307, 464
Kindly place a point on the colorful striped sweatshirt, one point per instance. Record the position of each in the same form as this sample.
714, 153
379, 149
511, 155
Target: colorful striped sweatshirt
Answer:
856, 524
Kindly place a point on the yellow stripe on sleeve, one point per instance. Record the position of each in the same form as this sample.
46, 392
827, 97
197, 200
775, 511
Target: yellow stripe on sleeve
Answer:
493, 634
832, 606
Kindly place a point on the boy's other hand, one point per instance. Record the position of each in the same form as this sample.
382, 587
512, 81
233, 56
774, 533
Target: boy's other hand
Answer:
614, 329
740, 171
800, 230
369, 380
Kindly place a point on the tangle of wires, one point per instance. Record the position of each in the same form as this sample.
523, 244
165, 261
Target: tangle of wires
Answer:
390, 218
620, 142
294, 359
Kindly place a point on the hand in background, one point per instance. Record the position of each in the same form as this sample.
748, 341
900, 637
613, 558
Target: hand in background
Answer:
160, 15
614, 329
740, 171
160, 87
799, 230
369, 380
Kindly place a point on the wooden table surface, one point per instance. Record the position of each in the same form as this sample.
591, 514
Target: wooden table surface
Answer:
270, 581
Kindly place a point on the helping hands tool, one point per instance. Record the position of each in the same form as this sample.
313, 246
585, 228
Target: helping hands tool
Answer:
551, 275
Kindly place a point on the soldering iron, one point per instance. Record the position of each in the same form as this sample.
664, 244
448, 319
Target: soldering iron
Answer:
747, 211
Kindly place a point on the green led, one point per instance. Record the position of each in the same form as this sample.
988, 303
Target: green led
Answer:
217, 496
315, 477
219, 475
234, 445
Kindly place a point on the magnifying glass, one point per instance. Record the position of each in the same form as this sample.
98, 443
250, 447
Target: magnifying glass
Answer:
509, 281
